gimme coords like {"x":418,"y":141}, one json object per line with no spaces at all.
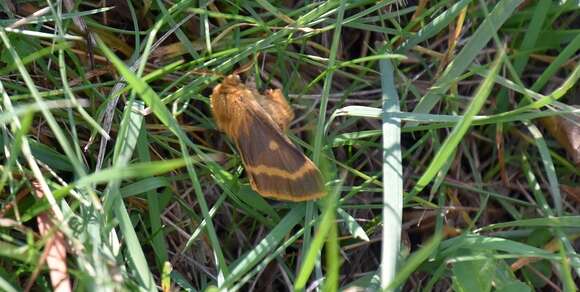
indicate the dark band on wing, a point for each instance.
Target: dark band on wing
{"x":306,"y":187}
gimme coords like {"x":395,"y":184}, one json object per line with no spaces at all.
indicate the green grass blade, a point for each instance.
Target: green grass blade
{"x":353,"y":227}
{"x":392,"y":176}
{"x":159,"y":109}
{"x":566,"y":271}
{"x":319,"y":133}
{"x":55,"y":127}
{"x":434,"y":27}
{"x":532,"y":34}
{"x":448,"y":147}
{"x":154,"y":208}
{"x":327,"y":221}
{"x":265,"y":246}
{"x":485,"y":243}
{"x":6,"y":286}
{"x":464,"y":58}
{"x":124,"y":147}
{"x":548,"y":167}
{"x":569,"y":51}
{"x":564,"y":221}
{"x":414,"y":261}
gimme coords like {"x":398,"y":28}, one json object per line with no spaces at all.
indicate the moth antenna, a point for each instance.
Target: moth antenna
{"x":246,"y":66}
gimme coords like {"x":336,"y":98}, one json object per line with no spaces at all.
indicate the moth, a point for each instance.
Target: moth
{"x":256,"y":123}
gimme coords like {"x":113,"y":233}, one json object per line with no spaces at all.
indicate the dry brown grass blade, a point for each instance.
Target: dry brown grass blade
{"x":54,"y":251}
{"x":82,"y":26}
{"x":570,"y":64}
{"x":418,"y":12}
{"x":113,"y":41}
{"x":501,"y":156}
{"x":552,"y":246}
{"x":30,"y":17}
{"x":456,"y":202}
{"x":452,"y":41}
{"x":173,"y":50}
{"x":573,"y":192}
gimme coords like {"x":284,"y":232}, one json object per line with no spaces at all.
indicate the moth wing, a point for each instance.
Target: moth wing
{"x":277,"y":107}
{"x":276,"y":167}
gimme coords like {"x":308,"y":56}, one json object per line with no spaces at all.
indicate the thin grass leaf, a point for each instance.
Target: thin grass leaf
{"x":265,"y":246}
{"x":331,"y":281}
{"x":566,"y":270}
{"x":144,"y":185}
{"x":413,"y":262}
{"x":485,"y":243}
{"x":448,"y":147}
{"x":564,"y":221}
{"x":319,"y":133}
{"x":548,"y":167}
{"x":472,"y":48}
{"x":441,"y":120}
{"x":532,"y":33}
{"x":264,"y":263}
{"x":125,"y":145}
{"x":275,"y":11}
{"x":6,"y":286}
{"x":136,"y":170}
{"x":153,"y":101}
{"x":24,"y":109}
{"x":555,"y":65}
{"x":434,"y":27}
{"x":51,"y":18}
{"x":154,"y":206}
{"x":44,"y":35}
{"x":327,"y":220}
{"x":168,"y":16}
{"x":352,"y":226}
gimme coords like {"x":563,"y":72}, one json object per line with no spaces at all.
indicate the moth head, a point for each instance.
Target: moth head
{"x":227,"y":104}
{"x":231,"y":86}
{"x":232,"y":80}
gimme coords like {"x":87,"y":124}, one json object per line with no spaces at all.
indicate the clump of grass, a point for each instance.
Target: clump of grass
{"x":445,"y":131}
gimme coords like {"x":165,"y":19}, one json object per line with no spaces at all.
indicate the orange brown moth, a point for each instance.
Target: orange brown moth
{"x":256,"y":124}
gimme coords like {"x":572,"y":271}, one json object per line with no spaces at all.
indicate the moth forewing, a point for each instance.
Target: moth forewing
{"x":276,"y":167}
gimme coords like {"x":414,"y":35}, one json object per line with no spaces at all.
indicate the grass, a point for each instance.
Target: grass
{"x":461,"y":114}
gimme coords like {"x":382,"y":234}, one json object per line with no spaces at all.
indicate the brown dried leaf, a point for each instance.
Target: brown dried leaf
{"x":566,"y":130}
